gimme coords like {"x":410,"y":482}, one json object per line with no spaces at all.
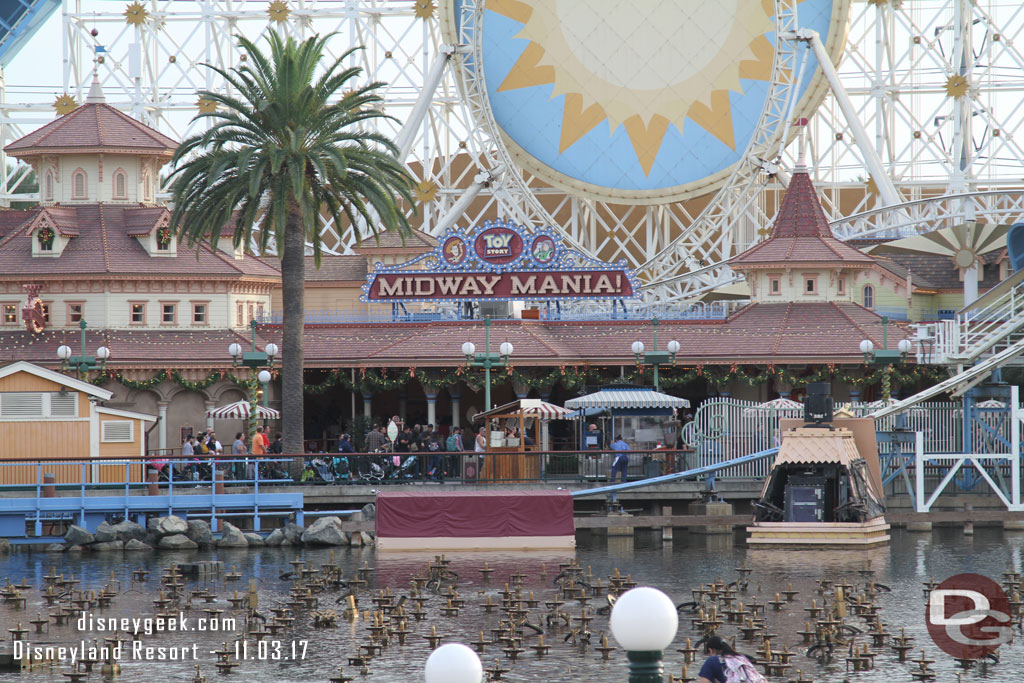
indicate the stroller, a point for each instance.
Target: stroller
{"x":272,"y":470}
{"x":373,"y":468}
{"x":406,"y":469}
{"x":342,"y":470}
{"x":317,"y":471}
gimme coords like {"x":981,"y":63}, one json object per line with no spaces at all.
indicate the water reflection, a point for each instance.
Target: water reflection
{"x":676,"y":568}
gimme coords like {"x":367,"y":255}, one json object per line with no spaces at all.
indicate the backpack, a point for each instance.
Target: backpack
{"x":452,"y":442}
{"x":740,"y":670}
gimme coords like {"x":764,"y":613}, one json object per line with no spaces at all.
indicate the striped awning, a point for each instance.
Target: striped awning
{"x":528,"y":407}
{"x":240,"y":410}
{"x":627,"y":398}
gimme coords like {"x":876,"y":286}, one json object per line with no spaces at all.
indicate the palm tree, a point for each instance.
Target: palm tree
{"x":280,"y":152}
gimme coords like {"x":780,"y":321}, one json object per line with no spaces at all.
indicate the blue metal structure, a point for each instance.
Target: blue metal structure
{"x":694,"y":472}
{"x":19,"y":20}
{"x":91,"y":503}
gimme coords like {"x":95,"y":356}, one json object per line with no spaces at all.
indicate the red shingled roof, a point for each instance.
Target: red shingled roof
{"x":760,"y":333}
{"x":800,"y":233}
{"x":416,"y":240}
{"x":105,"y":245}
{"x":93,"y":126}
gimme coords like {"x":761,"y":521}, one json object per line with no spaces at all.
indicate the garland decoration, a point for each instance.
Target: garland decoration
{"x":374,"y":380}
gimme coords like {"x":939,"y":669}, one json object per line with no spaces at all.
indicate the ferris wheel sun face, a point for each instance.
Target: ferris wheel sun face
{"x":631,"y":103}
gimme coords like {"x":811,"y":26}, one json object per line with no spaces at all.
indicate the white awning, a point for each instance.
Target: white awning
{"x":626,"y":398}
{"x":240,"y":410}
{"x":529,"y":407}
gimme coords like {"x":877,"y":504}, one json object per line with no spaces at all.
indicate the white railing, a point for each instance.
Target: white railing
{"x":975,"y":332}
{"x":727,"y":428}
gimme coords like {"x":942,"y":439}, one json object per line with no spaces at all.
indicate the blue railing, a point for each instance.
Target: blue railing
{"x":100,"y":488}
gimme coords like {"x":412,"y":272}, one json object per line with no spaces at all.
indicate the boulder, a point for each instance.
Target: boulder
{"x":367,"y":537}
{"x":178,"y":542}
{"x":324,"y":531}
{"x":126,"y":531}
{"x":199,"y":531}
{"x":369,"y":512}
{"x":5,"y":546}
{"x":255,"y":540}
{"x":76,"y":535}
{"x":232,"y":537}
{"x":107,"y":546}
{"x":105,"y":533}
{"x":75,"y":549}
{"x":167,"y":526}
{"x":293,"y":532}
{"x":136,"y":544}
{"x":56,"y":548}
{"x":275,"y":538}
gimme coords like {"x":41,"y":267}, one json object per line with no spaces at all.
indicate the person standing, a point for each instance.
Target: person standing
{"x":376,"y":439}
{"x":238,"y":448}
{"x":621,"y":461}
{"x":454,"y":445}
{"x":189,"y":448}
{"x":259,"y":447}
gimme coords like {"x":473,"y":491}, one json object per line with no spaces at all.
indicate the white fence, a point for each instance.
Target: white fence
{"x":725,"y":428}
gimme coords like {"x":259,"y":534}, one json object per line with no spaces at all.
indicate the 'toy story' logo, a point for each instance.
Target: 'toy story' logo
{"x":968,"y":616}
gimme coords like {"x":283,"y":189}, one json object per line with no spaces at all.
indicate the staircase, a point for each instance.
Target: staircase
{"x":993,"y":324}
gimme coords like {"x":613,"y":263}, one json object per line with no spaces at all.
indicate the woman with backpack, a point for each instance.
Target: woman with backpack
{"x":725,"y":665}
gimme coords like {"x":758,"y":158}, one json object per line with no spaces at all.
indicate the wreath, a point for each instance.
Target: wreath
{"x":46,"y":236}
{"x":163,"y":236}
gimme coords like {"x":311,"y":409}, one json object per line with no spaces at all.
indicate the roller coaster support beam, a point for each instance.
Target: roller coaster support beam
{"x":482,"y":180}
{"x":407,"y":135}
{"x":886,"y":188}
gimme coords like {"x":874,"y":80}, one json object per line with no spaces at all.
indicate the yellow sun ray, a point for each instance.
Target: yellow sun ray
{"x":577,"y":121}
{"x":526,"y":73}
{"x":759,"y":68}
{"x":646,"y":139}
{"x":717,"y":118}
{"x":514,"y":9}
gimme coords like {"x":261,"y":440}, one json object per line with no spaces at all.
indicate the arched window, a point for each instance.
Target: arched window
{"x":869,"y":296}
{"x":120,"y":184}
{"x":147,"y":187}
{"x":48,"y":187}
{"x":78,"y":185}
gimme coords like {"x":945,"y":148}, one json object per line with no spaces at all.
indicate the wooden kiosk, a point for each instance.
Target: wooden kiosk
{"x":513,"y":459}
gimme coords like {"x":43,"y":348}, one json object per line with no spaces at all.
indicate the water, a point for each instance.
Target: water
{"x":675,"y":568}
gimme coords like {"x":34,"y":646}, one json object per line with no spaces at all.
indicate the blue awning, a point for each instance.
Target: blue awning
{"x":613,"y":399}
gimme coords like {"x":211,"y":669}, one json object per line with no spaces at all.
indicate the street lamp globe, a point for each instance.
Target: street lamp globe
{"x":644,"y":620}
{"x":904,"y":346}
{"x":235,"y":350}
{"x":103,"y":353}
{"x":637,"y":347}
{"x":272,"y":349}
{"x":453,"y":663}
{"x":263,"y":377}
{"x":468,"y":349}
{"x":867,"y":346}
{"x":506,"y":348}
{"x":63,"y":352}
{"x":673,"y":346}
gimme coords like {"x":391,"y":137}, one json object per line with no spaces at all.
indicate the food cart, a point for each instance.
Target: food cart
{"x":509,"y":428}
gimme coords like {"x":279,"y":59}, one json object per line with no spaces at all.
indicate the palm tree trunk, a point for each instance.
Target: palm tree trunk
{"x":293,"y":280}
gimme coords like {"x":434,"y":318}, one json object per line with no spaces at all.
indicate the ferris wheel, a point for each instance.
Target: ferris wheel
{"x":657,"y":137}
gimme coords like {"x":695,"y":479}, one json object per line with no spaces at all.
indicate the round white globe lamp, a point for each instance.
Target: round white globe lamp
{"x":506,"y":348}
{"x":637,"y":348}
{"x":453,"y":663}
{"x":644,"y":622}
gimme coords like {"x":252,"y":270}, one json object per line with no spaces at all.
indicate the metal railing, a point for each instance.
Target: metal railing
{"x":574,"y":312}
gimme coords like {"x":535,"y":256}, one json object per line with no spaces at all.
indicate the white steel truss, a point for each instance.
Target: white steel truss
{"x":937,"y":84}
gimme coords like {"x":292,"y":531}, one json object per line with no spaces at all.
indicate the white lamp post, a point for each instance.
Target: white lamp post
{"x":453,"y":663}
{"x":487,"y":359}
{"x":644,"y":621}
